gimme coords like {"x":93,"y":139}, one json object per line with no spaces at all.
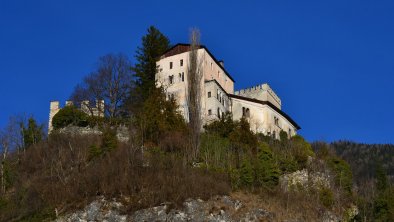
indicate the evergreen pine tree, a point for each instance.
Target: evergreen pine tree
{"x":246,"y":173}
{"x":266,"y":170}
{"x":381,"y":179}
{"x":154,"y":44}
{"x":33,"y":133}
{"x":384,"y":202}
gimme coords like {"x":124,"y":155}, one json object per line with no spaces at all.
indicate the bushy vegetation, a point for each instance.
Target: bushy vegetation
{"x":70,"y":115}
{"x":375,"y":193}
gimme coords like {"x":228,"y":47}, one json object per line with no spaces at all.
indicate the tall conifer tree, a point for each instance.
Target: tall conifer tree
{"x":154,"y":44}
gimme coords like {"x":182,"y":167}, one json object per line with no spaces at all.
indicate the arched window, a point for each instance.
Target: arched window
{"x":247,"y":113}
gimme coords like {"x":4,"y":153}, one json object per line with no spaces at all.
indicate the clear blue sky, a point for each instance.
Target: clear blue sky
{"x":331,"y":62}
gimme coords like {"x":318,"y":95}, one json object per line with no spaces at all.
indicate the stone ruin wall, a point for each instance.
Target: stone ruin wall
{"x":97,"y":110}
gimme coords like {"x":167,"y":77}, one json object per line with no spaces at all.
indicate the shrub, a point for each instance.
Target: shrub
{"x":70,"y":115}
{"x":246,"y":173}
{"x":94,"y":151}
{"x":283,"y":136}
{"x":326,"y":197}
{"x":222,"y":127}
{"x":301,"y":150}
{"x":215,"y":152}
{"x":343,"y":173}
{"x":109,"y":140}
{"x":266,"y":169}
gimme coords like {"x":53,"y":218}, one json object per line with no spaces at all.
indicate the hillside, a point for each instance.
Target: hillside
{"x":66,"y":172}
{"x":122,"y":149}
{"x":364,"y":157}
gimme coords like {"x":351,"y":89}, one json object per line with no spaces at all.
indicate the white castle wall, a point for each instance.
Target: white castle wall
{"x":53,"y":109}
{"x":178,"y":88}
{"x":262,"y":118}
{"x":261,"y":92}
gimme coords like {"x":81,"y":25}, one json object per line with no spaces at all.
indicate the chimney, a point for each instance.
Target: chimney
{"x":221,"y":62}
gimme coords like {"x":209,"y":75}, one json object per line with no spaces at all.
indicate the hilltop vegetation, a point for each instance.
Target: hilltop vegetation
{"x":164,"y":160}
{"x":372,"y":167}
{"x":363,"y":158}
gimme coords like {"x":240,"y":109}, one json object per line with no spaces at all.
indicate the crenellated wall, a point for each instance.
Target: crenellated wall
{"x":261,"y":92}
{"x":54,"y":108}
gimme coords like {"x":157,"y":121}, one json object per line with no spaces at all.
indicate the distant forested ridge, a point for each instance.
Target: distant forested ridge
{"x":363,"y":158}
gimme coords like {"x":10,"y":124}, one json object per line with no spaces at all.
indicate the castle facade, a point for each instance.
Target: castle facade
{"x":259,"y":104}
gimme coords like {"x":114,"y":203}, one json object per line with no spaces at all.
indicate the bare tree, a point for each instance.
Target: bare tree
{"x":4,"y":145}
{"x":11,"y":139}
{"x":111,"y":82}
{"x":194,"y":91}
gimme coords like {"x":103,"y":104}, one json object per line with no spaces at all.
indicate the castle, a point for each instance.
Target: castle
{"x":259,"y":104}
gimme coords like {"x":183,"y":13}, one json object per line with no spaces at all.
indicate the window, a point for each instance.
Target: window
{"x":274,"y":135}
{"x":181,"y":62}
{"x":217,"y":95}
{"x":171,"y":79}
{"x":209,"y":94}
{"x":245,"y":112}
{"x":183,"y":76}
{"x":276,"y":120}
{"x":209,"y":112}
{"x":218,"y":112}
{"x":170,"y":65}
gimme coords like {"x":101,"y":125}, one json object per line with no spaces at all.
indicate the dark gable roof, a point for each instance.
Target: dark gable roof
{"x":270,"y":105}
{"x":216,"y":82}
{"x":182,"y":47}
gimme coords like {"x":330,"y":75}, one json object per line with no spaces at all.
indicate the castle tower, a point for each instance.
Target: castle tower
{"x":53,"y":109}
{"x":261,"y":92}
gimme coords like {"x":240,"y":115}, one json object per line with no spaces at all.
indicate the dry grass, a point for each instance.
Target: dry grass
{"x":285,"y":207}
{"x":58,"y":174}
